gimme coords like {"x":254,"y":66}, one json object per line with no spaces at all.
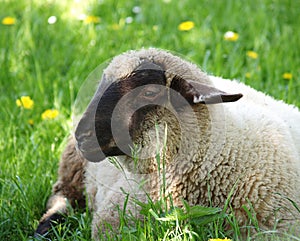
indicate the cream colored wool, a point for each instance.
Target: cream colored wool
{"x":256,"y":148}
{"x":250,"y":147}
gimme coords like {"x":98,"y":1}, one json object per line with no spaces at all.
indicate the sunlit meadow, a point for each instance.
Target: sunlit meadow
{"x":48,"y":48}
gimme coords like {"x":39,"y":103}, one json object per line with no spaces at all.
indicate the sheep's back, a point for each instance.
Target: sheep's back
{"x":257,"y":106}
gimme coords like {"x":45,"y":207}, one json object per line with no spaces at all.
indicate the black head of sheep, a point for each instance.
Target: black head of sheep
{"x":112,"y":123}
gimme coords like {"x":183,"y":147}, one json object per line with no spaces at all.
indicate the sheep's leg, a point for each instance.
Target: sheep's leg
{"x":68,"y":189}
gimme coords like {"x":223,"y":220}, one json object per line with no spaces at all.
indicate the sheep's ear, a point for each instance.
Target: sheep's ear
{"x":195,"y":92}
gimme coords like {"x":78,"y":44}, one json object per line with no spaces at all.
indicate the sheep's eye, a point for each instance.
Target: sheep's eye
{"x":149,"y":93}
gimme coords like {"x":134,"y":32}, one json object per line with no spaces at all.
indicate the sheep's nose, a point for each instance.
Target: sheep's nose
{"x":83,"y":129}
{"x":87,"y":143}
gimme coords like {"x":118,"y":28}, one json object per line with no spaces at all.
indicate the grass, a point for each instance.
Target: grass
{"x":49,"y":62}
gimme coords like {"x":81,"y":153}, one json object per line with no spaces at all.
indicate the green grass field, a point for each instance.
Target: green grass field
{"x":49,"y":61}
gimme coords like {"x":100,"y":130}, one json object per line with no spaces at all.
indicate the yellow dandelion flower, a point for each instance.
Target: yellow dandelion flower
{"x":8,"y":21}
{"x":26,"y":102}
{"x":91,"y":19}
{"x":252,"y":54}
{"x":186,"y":26}
{"x":154,"y":27}
{"x":287,"y":76}
{"x":219,"y":239}
{"x":231,"y":36}
{"x":30,"y":122}
{"x":50,"y":114}
{"x":248,"y":75}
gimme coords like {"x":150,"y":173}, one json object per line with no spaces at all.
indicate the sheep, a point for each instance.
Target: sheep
{"x":249,"y":146}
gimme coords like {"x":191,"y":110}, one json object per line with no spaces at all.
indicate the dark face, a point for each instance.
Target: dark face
{"x":130,"y":99}
{"x":120,"y":111}
{"x":114,"y":119}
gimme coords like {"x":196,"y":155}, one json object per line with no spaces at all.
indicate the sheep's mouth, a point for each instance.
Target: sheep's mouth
{"x":98,"y":155}
{"x":91,"y":154}
{"x":90,"y":149}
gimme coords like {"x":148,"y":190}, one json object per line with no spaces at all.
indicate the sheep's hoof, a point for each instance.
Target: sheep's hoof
{"x":47,"y":223}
